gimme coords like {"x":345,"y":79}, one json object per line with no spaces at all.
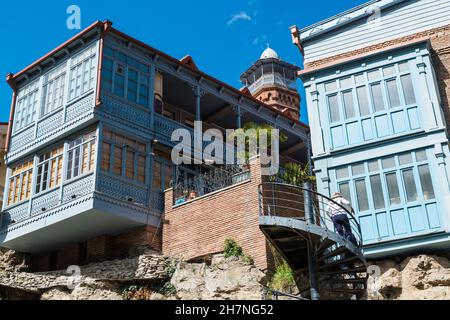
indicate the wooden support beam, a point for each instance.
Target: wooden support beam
{"x":218,"y":114}
{"x":296,"y":147}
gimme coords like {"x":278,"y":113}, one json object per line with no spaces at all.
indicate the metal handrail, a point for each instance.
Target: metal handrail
{"x":277,"y":294}
{"x":282,"y":199}
{"x":206,"y":183}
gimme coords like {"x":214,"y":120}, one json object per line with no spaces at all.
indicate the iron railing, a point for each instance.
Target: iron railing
{"x":216,"y":179}
{"x":271,"y":294}
{"x":289,"y":201}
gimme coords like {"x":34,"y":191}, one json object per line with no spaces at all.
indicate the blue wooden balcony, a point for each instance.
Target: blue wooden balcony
{"x":79,"y":209}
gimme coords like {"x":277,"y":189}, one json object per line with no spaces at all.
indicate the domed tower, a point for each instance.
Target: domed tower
{"x":273,"y":81}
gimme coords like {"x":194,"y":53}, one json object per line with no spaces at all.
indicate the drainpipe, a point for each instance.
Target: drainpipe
{"x":107,"y":25}
{"x":12,"y":83}
{"x":296,"y":39}
{"x":312,"y":262}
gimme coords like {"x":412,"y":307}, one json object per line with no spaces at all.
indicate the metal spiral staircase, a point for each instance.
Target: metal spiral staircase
{"x":296,"y":223}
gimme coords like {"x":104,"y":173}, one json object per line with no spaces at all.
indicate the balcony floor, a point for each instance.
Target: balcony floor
{"x":71,"y":224}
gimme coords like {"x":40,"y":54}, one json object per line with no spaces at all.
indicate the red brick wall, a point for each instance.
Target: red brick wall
{"x":100,"y":248}
{"x":148,"y":236}
{"x":441,"y":62}
{"x":68,"y":256}
{"x":200,"y":227}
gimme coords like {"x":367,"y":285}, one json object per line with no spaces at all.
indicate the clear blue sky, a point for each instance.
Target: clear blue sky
{"x":220,"y":45}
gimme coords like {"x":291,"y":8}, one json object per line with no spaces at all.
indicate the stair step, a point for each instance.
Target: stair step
{"x":352,"y":291}
{"x":326,"y":243}
{"x":360,"y":269}
{"x":333,"y":253}
{"x":347,"y":281}
{"x":338,"y":263}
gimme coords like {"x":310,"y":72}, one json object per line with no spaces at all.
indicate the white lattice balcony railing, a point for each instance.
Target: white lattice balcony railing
{"x":48,"y":200}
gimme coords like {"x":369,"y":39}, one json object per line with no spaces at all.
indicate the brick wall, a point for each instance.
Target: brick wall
{"x":148,"y":236}
{"x":100,"y":248}
{"x":68,"y":256}
{"x":200,"y":227}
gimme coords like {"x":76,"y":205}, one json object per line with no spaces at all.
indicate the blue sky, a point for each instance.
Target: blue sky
{"x":224,"y":36}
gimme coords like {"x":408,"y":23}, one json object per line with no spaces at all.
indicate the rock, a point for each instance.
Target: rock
{"x":229,"y":278}
{"x":420,"y":277}
{"x":11,"y":260}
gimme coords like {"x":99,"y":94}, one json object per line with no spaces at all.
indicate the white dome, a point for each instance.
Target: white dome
{"x":269,"y":53}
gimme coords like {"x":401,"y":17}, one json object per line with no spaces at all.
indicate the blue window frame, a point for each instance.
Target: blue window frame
{"x":125,"y":76}
{"x":371,"y":105}
{"x":393,"y":196}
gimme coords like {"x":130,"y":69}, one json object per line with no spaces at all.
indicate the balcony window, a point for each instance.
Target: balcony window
{"x":162,"y":174}
{"x":125,"y":77}
{"x":54,"y":90}
{"x":374,"y":104}
{"x":49,"y":170}
{"x":27,"y":102}
{"x":81,"y":155}
{"x":20,"y":182}
{"x":401,"y":180}
{"x":82,"y":73}
{"x":123,"y":156}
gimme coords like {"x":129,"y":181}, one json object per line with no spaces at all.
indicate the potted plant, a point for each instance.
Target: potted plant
{"x":296,"y":174}
{"x":252,"y":130}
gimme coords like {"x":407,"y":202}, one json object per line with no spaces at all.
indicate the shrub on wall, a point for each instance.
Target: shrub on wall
{"x":283,"y":278}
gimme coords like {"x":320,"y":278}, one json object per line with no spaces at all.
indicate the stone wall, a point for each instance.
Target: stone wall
{"x":420,"y":277}
{"x":230,"y":278}
{"x":101,"y":248}
{"x":200,"y":227}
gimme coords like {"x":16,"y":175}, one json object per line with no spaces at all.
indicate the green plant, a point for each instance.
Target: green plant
{"x":170,"y":270}
{"x":251,"y":133}
{"x":283,"y":278}
{"x":231,"y":249}
{"x":168,"y":289}
{"x":134,"y":292}
{"x":296,"y":174}
{"x":248,"y":259}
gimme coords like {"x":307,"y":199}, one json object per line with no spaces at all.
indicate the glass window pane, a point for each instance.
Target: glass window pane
{"x":410,"y":185}
{"x":405,"y":158}
{"x":331,"y":86}
{"x":421,"y":155}
{"x":404,"y":67}
{"x":394,"y":98}
{"x":374,"y":75}
{"x":342,"y":173}
{"x":363,"y":102}
{"x":358,"y":169}
{"x":348,"y":104}
{"x":344,"y":189}
{"x":373,"y":166}
{"x":360,"y":79}
{"x":361,"y":195}
{"x":408,"y":89}
{"x":334,"y":108}
{"x":377,"y":97}
{"x":388,"y":163}
{"x":377,"y":192}
{"x":425,"y":181}
{"x":346,"y":83}
{"x":392,"y":184}
{"x":389,"y":71}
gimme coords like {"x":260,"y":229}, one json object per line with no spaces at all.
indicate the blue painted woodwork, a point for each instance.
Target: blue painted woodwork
{"x":377,"y":129}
